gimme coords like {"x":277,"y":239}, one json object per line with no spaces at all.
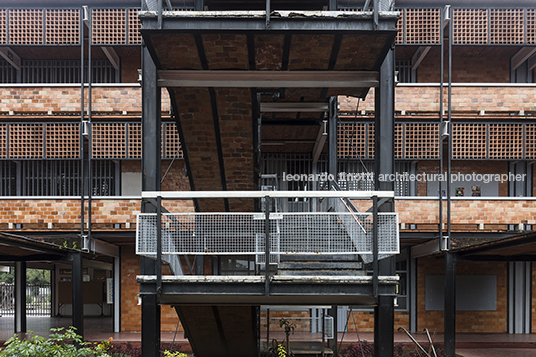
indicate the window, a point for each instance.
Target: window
{"x":406,"y":73}
{"x":55,"y":178}
{"x":56,"y":71}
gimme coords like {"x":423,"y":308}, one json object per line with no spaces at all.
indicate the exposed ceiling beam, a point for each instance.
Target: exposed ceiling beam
{"x":112,"y":56}
{"x":320,"y":141}
{"x":10,"y":56}
{"x":101,"y":247}
{"x":521,"y":56}
{"x":419,"y":55}
{"x":267,"y":79}
{"x":280,"y":107}
{"x":446,"y":15}
{"x":532,"y":62}
{"x":425,"y":249}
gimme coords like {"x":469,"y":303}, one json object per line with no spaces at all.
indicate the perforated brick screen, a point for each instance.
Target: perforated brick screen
{"x":423,"y":26}
{"x":352,"y":140}
{"x":62,"y":26}
{"x":26,"y":141}
{"x":172,"y":142}
{"x":506,"y":26}
{"x":421,"y":141}
{"x":25,"y":26}
{"x":3,"y":26}
{"x":399,"y":140}
{"x":3,"y":141}
{"x":470,"y":26}
{"x":400,"y":26}
{"x":505,"y":141}
{"x":531,"y":26}
{"x":469,"y":141}
{"x":134,"y":141}
{"x":134,"y":27}
{"x":530,"y":141}
{"x":109,"y":26}
{"x":62,"y":140}
{"x":109,"y":140}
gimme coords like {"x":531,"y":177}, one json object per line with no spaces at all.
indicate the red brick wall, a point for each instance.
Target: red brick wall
{"x":130,"y":310}
{"x":477,"y":68}
{"x":425,"y":99}
{"x":364,"y":321}
{"x":466,"y":321}
{"x":41,"y":100}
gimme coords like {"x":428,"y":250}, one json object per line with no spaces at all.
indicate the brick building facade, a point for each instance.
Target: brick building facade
{"x":492,"y":104}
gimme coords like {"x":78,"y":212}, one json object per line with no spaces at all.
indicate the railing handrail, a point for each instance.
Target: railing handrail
{"x":186,"y":195}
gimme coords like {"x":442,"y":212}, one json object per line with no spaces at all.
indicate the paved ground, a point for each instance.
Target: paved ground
{"x":467,"y":345}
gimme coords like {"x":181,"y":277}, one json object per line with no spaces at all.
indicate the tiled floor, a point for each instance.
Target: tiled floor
{"x":468,"y":345}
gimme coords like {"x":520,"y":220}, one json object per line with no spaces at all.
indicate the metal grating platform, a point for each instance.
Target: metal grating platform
{"x":244,"y":233}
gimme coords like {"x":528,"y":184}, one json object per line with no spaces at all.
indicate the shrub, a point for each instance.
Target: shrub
{"x":366,"y":349}
{"x":64,"y":343}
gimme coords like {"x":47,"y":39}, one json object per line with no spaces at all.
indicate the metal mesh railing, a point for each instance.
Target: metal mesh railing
{"x":244,"y":233}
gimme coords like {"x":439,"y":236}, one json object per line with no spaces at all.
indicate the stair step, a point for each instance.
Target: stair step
{"x":321,"y":272}
{"x":320,"y":265}
{"x":317,"y":257}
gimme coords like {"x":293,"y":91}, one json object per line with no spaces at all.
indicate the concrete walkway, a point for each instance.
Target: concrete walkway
{"x":467,"y":345}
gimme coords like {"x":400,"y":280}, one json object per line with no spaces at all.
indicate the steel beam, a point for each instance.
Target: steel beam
{"x":450,"y":304}
{"x":187,"y":195}
{"x":151,"y":169}
{"x":112,"y":56}
{"x":303,"y":107}
{"x":150,"y":324}
{"x":385,"y":165}
{"x":521,"y":56}
{"x":20,"y":297}
{"x":320,"y":141}
{"x":419,"y":56}
{"x":10,"y":56}
{"x":333,"y":137}
{"x":77,"y":293}
{"x":267,"y":79}
{"x":285,"y":21}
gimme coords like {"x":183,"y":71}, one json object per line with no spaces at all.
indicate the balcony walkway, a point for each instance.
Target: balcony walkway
{"x":468,"y":345}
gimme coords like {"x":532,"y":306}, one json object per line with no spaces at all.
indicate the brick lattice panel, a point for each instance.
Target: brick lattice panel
{"x":371,"y":139}
{"x":109,"y":141}
{"x":134,"y":141}
{"x":423,"y":25}
{"x":62,"y":141}
{"x":3,"y":141}
{"x":506,"y":26}
{"x":531,"y":26}
{"x":26,"y":141}
{"x":25,"y":26}
{"x":109,"y":26}
{"x":172,"y":142}
{"x":471,"y":26}
{"x":505,"y":141}
{"x":400,"y":26}
{"x":62,"y":26}
{"x":421,"y":141}
{"x":469,"y":141}
{"x":530,"y":141}
{"x":399,"y":143}
{"x":352,"y":140}
{"x":3,"y":26}
{"x":134,"y":27}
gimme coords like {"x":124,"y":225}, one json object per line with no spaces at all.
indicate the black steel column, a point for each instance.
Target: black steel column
{"x":20,"y":297}
{"x":332,"y":162}
{"x":78,"y":293}
{"x":332,"y":137}
{"x":450,"y":304}
{"x":151,"y":168}
{"x":384,"y":167}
